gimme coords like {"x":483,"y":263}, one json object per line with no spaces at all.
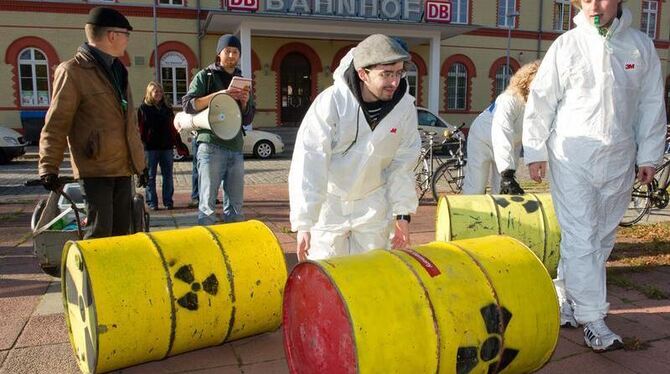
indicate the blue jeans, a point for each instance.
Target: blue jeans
{"x":218,"y":166}
{"x":164,"y":159}
{"x":194,"y":172}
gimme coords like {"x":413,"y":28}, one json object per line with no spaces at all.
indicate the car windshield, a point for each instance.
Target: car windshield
{"x":429,"y":119}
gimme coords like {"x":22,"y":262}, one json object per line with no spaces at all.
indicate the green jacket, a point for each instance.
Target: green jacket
{"x":209,"y":80}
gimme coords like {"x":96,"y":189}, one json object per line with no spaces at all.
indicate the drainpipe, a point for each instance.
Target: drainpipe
{"x":539,"y":30}
{"x":156,"y":64}
{"x":200,"y":36}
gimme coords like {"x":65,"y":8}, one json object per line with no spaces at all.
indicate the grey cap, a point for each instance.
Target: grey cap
{"x":378,"y":49}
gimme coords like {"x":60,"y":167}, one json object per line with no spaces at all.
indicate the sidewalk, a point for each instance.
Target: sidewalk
{"x":33,"y":335}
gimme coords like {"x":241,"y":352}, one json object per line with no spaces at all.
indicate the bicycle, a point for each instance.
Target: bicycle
{"x":448,"y":177}
{"x":423,"y":171}
{"x":647,"y":196}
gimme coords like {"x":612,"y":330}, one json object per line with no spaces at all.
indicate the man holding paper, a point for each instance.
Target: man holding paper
{"x":220,"y":161}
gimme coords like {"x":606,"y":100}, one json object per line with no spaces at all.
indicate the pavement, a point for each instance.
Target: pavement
{"x":33,"y":334}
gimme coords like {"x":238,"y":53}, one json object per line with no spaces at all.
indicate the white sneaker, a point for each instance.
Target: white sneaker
{"x":600,"y":338}
{"x":568,"y":315}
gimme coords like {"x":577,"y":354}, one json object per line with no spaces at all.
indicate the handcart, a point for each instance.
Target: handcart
{"x":62,"y":217}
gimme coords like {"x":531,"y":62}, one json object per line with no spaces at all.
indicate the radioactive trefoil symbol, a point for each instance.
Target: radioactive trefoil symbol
{"x":496,"y":320}
{"x":190,"y":300}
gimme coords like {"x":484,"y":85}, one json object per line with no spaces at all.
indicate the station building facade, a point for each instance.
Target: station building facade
{"x":290,"y":48}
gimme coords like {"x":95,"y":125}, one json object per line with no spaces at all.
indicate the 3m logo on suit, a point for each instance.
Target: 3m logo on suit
{"x":629,"y":66}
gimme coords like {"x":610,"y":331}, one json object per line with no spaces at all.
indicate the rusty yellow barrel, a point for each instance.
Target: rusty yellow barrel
{"x":484,"y":305}
{"x":529,"y":218}
{"x":147,"y":296}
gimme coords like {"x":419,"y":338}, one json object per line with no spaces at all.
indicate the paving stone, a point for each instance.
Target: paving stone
{"x":260,"y":348}
{"x":55,"y":358}
{"x":44,"y":330}
{"x":588,"y":362}
{"x":220,"y":357}
{"x":566,"y":348}
{"x":269,"y":367}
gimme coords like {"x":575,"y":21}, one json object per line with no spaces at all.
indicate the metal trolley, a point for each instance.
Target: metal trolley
{"x":49,"y":236}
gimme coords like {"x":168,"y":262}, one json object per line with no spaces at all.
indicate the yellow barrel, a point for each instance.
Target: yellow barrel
{"x":529,"y":218}
{"x":468,"y":306}
{"x":147,"y":296}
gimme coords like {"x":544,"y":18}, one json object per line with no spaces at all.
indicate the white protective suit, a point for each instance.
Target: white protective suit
{"x":346,"y":181}
{"x":480,"y":167}
{"x":594,"y":101}
{"x":506,"y":131}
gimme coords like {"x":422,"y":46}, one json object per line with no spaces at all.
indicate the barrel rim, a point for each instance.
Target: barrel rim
{"x":318,"y":266}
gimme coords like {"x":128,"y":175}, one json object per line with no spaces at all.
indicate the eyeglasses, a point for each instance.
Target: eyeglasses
{"x":387,"y":74}
{"x":127,"y":33}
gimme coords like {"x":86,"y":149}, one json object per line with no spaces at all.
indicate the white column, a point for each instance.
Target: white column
{"x":245,"y":39}
{"x":434,"y":74}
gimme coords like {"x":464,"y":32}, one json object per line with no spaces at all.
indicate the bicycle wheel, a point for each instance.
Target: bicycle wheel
{"x":639,"y":205}
{"x":422,"y":178}
{"x":448,"y":178}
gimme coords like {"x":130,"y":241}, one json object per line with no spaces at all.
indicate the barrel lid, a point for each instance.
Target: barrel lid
{"x":80,"y":309}
{"x":318,"y":333}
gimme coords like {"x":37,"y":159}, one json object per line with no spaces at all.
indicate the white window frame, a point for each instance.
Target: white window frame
{"x":456,"y":6}
{"x":559,"y":20}
{"x":649,"y":12}
{"x":457,"y":73}
{"x":510,"y":7}
{"x":35,"y":99}
{"x":500,"y":81}
{"x":170,"y":2}
{"x":173,"y":66}
{"x":413,"y":79}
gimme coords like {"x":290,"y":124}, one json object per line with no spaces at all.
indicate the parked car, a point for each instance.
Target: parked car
{"x":261,"y":144}
{"x":12,"y":145}
{"x":428,"y":121}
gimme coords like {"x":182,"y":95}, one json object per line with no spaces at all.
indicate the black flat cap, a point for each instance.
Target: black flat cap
{"x":108,"y":17}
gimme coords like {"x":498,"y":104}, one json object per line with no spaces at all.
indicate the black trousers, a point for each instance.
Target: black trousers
{"x":109,"y":206}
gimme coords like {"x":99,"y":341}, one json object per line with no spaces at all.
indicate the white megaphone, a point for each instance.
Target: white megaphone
{"x":223,"y":117}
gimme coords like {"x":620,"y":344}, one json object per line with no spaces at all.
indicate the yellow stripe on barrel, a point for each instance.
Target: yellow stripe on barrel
{"x":529,"y":218}
{"x":468,"y":306}
{"x":142,"y":297}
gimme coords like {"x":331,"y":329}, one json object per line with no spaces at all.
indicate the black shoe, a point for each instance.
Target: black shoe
{"x":194,"y":203}
{"x":169,"y":207}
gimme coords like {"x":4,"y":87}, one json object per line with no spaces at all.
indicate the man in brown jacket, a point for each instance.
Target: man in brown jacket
{"x":91,"y":111}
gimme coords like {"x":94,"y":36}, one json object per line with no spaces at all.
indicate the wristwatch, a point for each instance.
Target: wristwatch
{"x":405,"y":217}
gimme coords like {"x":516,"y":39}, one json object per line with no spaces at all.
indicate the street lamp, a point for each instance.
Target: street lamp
{"x":510,"y":22}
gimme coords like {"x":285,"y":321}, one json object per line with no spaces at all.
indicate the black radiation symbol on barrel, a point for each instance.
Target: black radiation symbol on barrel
{"x":496,"y":320}
{"x":190,"y":300}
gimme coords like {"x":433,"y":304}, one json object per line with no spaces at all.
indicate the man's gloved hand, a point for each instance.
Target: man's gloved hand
{"x":143,"y":179}
{"x":508,"y":184}
{"x":50,"y":182}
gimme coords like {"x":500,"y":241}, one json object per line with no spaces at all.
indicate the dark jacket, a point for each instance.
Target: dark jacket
{"x":215,"y":78}
{"x":156,"y":128}
{"x":86,"y":113}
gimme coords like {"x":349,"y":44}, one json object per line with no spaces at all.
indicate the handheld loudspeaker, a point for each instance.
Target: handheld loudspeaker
{"x":223,"y":117}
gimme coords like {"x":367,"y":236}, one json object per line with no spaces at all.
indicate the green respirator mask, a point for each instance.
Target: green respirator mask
{"x":601,"y":30}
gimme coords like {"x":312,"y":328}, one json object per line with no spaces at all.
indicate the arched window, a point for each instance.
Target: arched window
{"x":503,"y":74}
{"x":174,"y":79}
{"x":33,"y":78}
{"x":412,"y":79}
{"x":457,"y":78}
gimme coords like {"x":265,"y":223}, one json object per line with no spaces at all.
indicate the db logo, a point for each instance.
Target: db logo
{"x":243,"y":5}
{"x":438,"y":11}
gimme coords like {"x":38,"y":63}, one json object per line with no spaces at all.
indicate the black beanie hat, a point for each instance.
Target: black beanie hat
{"x":228,"y":41}
{"x":108,"y":17}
